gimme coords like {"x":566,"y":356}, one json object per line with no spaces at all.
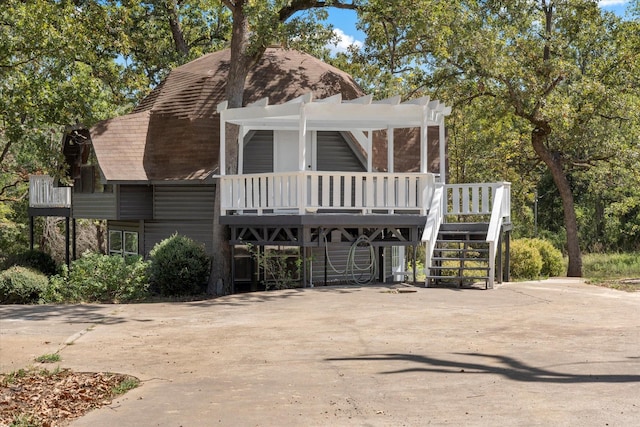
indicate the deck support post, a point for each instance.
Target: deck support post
{"x":31,"y":236}
{"x":74,"y":247}
{"x":67,"y":241}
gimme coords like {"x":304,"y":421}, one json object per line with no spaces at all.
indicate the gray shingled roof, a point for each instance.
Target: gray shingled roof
{"x":173,"y":134}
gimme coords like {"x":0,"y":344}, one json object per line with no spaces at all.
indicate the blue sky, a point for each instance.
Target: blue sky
{"x":345,"y":22}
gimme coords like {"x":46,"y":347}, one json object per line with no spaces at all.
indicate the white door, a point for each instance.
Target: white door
{"x":285,"y":151}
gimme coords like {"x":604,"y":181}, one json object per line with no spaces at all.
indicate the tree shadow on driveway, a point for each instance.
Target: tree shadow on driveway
{"x":73,"y":313}
{"x":511,"y":368}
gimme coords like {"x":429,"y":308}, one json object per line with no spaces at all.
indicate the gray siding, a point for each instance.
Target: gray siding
{"x":258,"y":152}
{"x":124,"y":225}
{"x":336,"y":154}
{"x":156,"y":231}
{"x":181,"y":202}
{"x":338,"y":256}
{"x":94,"y":205}
{"x":136,"y":202}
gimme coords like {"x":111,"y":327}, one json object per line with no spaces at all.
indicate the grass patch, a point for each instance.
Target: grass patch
{"x":48,"y":358}
{"x":617,"y":271}
{"x":127,"y":384}
{"x":611,"y":266}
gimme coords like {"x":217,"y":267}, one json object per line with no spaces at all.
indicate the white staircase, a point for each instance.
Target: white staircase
{"x":460,"y":252}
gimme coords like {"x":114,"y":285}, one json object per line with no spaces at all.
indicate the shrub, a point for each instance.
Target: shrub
{"x":179,"y":266}
{"x":552,"y":262}
{"x":101,"y":278}
{"x":526,"y":262}
{"x":21,"y":285}
{"x":36,"y":260}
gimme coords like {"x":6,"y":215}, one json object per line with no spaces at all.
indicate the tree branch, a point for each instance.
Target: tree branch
{"x":298,"y":5}
{"x":229,"y":4}
{"x":5,"y":151}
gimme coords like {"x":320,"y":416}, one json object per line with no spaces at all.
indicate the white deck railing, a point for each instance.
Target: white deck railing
{"x":432,"y":227}
{"x":500,"y":212}
{"x":471,"y":199}
{"x":42,"y":193}
{"x":311,"y":192}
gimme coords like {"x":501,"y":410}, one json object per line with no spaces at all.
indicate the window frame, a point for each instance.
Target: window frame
{"x":123,"y":236}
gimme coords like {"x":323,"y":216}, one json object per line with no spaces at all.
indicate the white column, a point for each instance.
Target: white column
{"x":241,"y":133}
{"x":302,"y":161}
{"x":221,"y":160}
{"x":443,"y":144}
{"x":370,"y":151}
{"x":390,"y":149}
{"x":424,"y":157}
{"x":302,"y":140}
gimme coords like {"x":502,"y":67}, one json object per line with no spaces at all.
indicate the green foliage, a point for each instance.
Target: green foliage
{"x":525,"y":261}
{"x":552,"y":261}
{"x":20,"y":285}
{"x":101,"y":278}
{"x":37,"y":260}
{"x":48,"y":358}
{"x":127,"y":384}
{"x":608,"y":266}
{"x":281,"y":268}
{"x":179,"y":266}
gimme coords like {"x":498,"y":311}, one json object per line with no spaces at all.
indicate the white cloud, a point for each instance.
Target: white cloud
{"x":605,"y":3}
{"x":344,"y":41}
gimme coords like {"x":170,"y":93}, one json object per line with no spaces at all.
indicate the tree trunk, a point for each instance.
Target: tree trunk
{"x":554,"y":164}
{"x":176,"y":30}
{"x":241,"y":61}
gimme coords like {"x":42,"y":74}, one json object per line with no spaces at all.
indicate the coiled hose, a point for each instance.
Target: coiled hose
{"x":352,"y":269}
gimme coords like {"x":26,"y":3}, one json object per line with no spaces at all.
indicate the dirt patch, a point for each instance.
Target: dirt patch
{"x":627,"y":285}
{"x":42,"y":398}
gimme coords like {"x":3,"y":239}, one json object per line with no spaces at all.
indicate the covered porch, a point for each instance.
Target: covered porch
{"x":299,"y":188}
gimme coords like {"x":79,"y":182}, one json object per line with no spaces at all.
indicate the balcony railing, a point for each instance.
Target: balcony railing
{"x":326,"y":192}
{"x":42,"y":193}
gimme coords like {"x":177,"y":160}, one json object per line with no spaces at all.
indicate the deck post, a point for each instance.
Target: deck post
{"x":66,"y":241}
{"x":442,"y":146}
{"x":424,"y":144}
{"x":221,"y":160}
{"x":390,"y":149}
{"x":31,"y":237}
{"x":74,"y":248}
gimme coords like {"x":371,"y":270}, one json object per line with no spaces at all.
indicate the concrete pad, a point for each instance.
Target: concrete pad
{"x":555,"y":352}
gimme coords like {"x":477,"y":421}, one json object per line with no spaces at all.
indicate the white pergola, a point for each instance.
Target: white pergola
{"x":360,"y":117}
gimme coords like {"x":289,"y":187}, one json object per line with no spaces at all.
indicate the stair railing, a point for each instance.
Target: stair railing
{"x":432,"y":227}
{"x":500,"y":211}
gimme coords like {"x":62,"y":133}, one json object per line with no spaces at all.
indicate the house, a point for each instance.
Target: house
{"x":324,"y":173}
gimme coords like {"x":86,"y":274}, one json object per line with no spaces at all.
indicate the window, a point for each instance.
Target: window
{"x":90,"y":181}
{"x":123,"y":243}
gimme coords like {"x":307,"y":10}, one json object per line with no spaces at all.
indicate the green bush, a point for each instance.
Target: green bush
{"x":525,"y":260}
{"x":36,"y":260}
{"x":21,"y":285}
{"x":552,"y":262}
{"x":101,"y":278}
{"x":179,"y":266}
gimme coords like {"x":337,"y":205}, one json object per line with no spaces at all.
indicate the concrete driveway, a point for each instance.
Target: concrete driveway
{"x":550,"y":353}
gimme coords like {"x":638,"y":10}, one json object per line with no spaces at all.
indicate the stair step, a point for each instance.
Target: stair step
{"x":472,"y":227}
{"x":440,"y":240}
{"x":475,"y":260}
{"x":457,"y":278}
{"x":462,"y":249}
{"x":461,"y":268}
